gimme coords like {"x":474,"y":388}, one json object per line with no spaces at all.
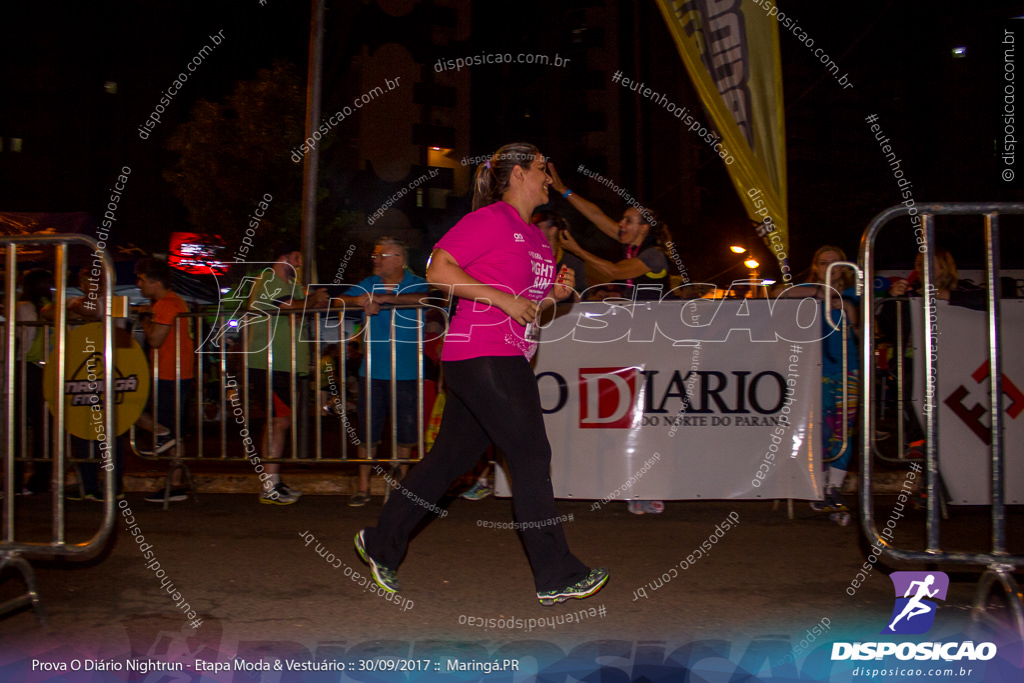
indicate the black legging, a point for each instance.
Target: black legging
{"x":493,"y":399}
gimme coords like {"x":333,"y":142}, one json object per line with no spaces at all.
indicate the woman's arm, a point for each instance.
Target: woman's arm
{"x":444,"y":270}
{"x":621,"y":270}
{"x":589,"y":210}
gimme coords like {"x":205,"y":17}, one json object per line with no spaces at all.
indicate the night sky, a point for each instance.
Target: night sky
{"x":942,"y":114}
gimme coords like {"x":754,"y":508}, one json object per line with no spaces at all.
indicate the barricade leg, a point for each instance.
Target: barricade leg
{"x":789,"y":506}
{"x":1002,"y":574}
{"x":31,"y":597}
{"x":178,"y":464}
{"x":394,"y":474}
{"x":95,"y":346}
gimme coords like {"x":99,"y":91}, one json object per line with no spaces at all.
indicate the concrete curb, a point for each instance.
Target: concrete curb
{"x":334,"y":484}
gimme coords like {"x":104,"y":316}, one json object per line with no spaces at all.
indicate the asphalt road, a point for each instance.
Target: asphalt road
{"x":261,"y":591}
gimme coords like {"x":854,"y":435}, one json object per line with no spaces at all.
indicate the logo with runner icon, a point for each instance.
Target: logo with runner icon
{"x":913,"y":612}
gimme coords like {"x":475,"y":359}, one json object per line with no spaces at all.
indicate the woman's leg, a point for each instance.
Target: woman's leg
{"x":460,"y":441}
{"x":515,"y":423}
{"x":493,"y":399}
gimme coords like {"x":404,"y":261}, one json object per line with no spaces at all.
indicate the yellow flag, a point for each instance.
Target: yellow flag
{"x":731,"y":51}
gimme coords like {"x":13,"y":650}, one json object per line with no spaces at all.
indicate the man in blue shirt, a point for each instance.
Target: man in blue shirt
{"x":392,"y":284}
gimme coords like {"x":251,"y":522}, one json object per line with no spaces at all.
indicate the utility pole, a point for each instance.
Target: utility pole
{"x":311,"y":168}
{"x":310,"y":181}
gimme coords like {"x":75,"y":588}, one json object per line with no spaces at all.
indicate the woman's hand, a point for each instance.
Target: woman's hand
{"x":565,"y":284}
{"x":898,"y":288}
{"x":568,"y":242}
{"x":556,"y":182}
{"x":519,"y":308}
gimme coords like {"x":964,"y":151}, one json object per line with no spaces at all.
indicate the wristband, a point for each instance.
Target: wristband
{"x":566,"y":194}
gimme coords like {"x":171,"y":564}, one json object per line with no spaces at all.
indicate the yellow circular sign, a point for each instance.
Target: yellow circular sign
{"x":84,"y":384}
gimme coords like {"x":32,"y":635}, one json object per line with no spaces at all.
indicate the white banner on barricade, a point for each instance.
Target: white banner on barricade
{"x":702,"y":399}
{"x":962,"y":398}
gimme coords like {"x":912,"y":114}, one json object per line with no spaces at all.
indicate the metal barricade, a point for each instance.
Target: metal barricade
{"x":998,"y":563}
{"x":236,"y":439}
{"x":904,"y":411}
{"x":15,"y":551}
{"x":900,"y":357}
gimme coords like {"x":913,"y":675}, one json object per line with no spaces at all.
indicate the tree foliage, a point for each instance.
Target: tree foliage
{"x":233,"y":153}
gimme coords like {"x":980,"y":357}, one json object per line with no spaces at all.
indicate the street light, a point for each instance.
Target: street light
{"x":752,"y":265}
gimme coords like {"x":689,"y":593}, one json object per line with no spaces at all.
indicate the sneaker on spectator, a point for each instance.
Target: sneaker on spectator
{"x":99,"y":497}
{"x":478,"y":491}
{"x":288,"y":489}
{"x":163,"y":443}
{"x":654,"y":507}
{"x":384,"y":577}
{"x":77,"y":495}
{"x":278,"y":496}
{"x":358,"y":499}
{"x":840,"y":518}
{"x":584,"y":588}
{"x":832,"y":502}
{"x":175,"y":496}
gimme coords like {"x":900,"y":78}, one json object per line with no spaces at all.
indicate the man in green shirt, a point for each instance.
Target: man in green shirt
{"x":277,"y":290}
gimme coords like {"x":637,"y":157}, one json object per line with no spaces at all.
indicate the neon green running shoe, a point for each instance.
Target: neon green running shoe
{"x":384,"y":577}
{"x":584,"y":588}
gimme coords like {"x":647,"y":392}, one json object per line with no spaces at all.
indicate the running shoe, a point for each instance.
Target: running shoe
{"x":278,"y":496}
{"x":832,"y":501}
{"x":635,"y":506}
{"x":176,"y":496}
{"x":479,"y":491}
{"x":840,"y":518}
{"x":384,"y":577}
{"x":288,"y":489}
{"x":358,"y":499}
{"x":584,"y":588}
{"x":163,"y":443}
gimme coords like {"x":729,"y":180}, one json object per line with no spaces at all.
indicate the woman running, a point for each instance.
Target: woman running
{"x":502,"y":269}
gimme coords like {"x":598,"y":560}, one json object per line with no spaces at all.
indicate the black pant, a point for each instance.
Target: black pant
{"x":89,"y":472}
{"x":493,"y":399}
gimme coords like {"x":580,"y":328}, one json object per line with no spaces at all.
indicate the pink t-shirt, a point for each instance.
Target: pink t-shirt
{"x":495,"y":246}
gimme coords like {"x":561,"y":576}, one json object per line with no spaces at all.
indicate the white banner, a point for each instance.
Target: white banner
{"x":703,"y":399}
{"x":962,"y":398}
